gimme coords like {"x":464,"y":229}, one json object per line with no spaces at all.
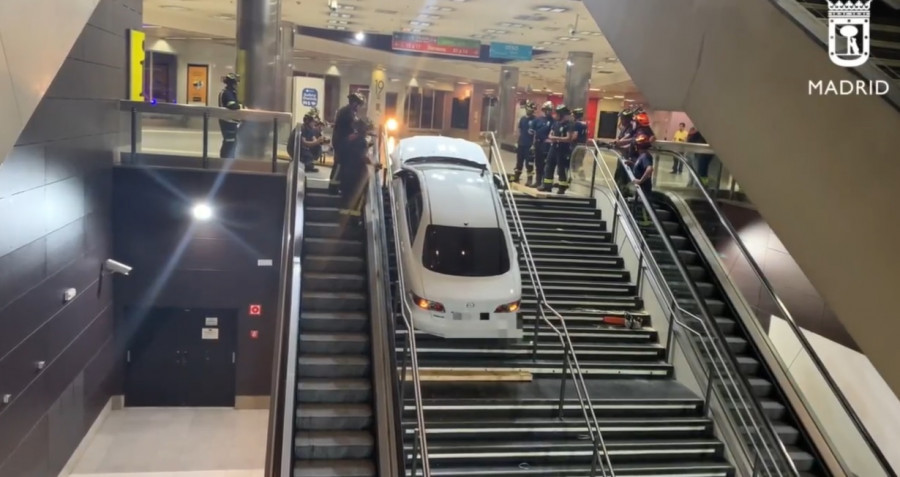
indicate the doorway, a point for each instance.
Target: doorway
{"x":182,"y":357}
{"x":197,"y":84}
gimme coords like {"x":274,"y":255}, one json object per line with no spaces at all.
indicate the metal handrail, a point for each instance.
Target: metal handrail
{"x":200,"y":111}
{"x":279,"y":449}
{"x":713,"y":334}
{"x":420,"y":442}
{"x":767,"y":285}
{"x":570,"y":361}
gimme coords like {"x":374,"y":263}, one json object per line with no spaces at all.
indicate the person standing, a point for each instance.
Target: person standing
{"x":542,"y":127}
{"x":354,"y":173}
{"x":308,"y":141}
{"x":525,"y":144}
{"x":642,"y":168}
{"x":702,"y":160}
{"x":340,"y":137}
{"x":228,"y":99}
{"x":680,"y":136}
{"x":562,"y":138}
{"x":580,"y":126}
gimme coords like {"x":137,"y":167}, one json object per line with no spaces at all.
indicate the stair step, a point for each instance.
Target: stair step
{"x":334,"y":264}
{"x":344,"y":417}
{"x":313,"y":321}
{"x":334,"y":391}
{"x":338,"y":282}
{"x":333,"y":445}
{"x":687,"y":468}
{"x":334,"y":468}
{"x":334,"y":247}
{"x":321,"y":199}
{"x":329,"y":301}
{"x":334,"y":343}
{"x":333,"y":366}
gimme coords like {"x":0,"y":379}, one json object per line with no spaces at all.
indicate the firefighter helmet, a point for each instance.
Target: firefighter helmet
{"x":562,"y":110}
{"x":356,"y":98}
{"x":547,"y":106}
{"x":642,"y":119}
{"x":231,"y":78}
{"x":578,"y":112}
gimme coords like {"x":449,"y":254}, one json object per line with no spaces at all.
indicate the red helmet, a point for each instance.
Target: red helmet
{"x":642,"y":141}
{"x":642,"y":119}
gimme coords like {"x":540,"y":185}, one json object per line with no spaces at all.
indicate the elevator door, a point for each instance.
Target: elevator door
{"x":182,"y":357}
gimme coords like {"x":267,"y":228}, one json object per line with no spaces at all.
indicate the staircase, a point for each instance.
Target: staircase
{"x":651,"y":424}
{"x":334,"y":422}
{"x":750,"y":364}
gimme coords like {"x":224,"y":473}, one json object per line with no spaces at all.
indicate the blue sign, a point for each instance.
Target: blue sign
{"x":510,"y":51}
{"x":309,"y":97}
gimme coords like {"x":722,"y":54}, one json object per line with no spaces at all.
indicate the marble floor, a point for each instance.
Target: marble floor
{"x":177,"y":442}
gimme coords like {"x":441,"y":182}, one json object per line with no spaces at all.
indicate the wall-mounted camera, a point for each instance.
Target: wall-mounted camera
{"x":112,"y":266}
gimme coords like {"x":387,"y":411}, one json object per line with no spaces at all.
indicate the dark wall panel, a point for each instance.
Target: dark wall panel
{"x":179,"y":262}
{"x":55,"y":204}
{"x":802,"y":300}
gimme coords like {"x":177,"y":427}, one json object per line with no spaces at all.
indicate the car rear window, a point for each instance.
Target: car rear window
{"x":465,"y":251}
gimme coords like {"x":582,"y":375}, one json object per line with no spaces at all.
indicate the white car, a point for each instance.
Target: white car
{"x":459,"y":263}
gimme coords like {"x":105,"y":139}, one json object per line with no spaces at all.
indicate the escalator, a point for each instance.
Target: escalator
{"x":753,"y":367}
{"x":334,"y":413}
{"x":742,"y":71}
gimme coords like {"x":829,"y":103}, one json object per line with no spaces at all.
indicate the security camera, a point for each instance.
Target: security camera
{"x":112,"y":266}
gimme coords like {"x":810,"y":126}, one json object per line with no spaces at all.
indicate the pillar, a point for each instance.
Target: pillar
{"x":258,"y":32}
{"x":377,"y":96}
{"x":285,"y":67}
{"x":506,"y":105}
{"x":578,"y":78}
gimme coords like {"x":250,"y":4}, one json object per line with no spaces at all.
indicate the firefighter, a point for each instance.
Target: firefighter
{"x":580,"y":126}
{"x":525,"y":145}
{"x":229,"y":127}
{"x":562,"y":139}
{"x":623,"y":143}
{"x":306,"y":133}
{"x":340,"y":137}
{"x":354,"y":173}
{"x":542,"y":126}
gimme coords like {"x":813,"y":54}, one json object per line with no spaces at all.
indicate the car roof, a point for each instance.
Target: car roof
{"x":440,"y":146}
{"x":460,"y":197}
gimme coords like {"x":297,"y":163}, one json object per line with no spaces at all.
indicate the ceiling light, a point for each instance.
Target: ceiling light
{"x":436,"y":8}
{"x":461,"y":82}
{"x":360,"y":36}
{"x":173,"y":7}
{"x":547,"y":43}
{"x":419,"y":24}
{"x":512,"y":25}
{"x":568,"y":38}
{"x":337,"y":22}
{"x":492,"y":31}
{"x":413,"y":30}
{"x":424,"y":16}
{"x":339,"y":15}
{"x":483,"y":37}
{"x":347,"y":7}
{"x":394,"y":80}
{"x":612,"y":59}
{"x":336,"y":27}
{"x":619,"y":97}
{"x":224,"y":16}
{"x":459,"y":1}
{"x":569,"y":63}
{"x":590,"y":33}
{"x":202,"y":211}
{"x":546,"y":9}
{"x":595,"y":89}
{"x":629,"y":100}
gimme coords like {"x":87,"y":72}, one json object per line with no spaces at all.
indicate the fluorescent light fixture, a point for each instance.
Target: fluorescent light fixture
{"x":224,"y":16}
{"x":413,"y":30}
{"x":569,"y":63}
{"x":629,"y":100}
{"x":590,"y":33}
{"x":547,"y":9}
{"x":336,"y":27}
{"x":436,"y":8}
{"x":347,"y":7}
{"x":568,"y":38}
{"x":595,"y":89}
{"x":174,"y":7}
{"x":340,"y":15}
{"x":360,"y":36}
{"x":419,"y":24}
{"x":202,"y":211}
{"x":512,"y":25}
{"x":337,"y":22}
{"x":394,"y":80}
{"x":462,"y":82}
{"x":424,"y":16}
{"x":547,"y":43}
{"x":612,"y":59}
{"x":619,"y":96}
{"x":492,"y":31}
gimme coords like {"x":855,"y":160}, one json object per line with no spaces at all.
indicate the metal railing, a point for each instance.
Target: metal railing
{"x":265,"y":119}
{"x":419,"y":454}
{"x":279,"y":450}
{"x":759,"y":442}
{"x":571,"y":367}
{"x":835,"y":436}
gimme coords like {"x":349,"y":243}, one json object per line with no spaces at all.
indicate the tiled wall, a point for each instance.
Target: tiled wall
{"x":55,"y":231}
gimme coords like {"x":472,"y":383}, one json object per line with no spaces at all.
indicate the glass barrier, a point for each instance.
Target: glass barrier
{"x":834,"y":418}
{"x":161,"y":130}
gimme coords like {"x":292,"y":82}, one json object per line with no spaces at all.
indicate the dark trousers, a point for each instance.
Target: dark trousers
{"x":558,"y":162}
{"x":354,"y":177}
{"x":703,"y":161}
{"x":524,"y":159}
{"x":677,"y":166}
{"x":334,"y":180}
{"x":540,"y":160}
{"x":229,"y":143}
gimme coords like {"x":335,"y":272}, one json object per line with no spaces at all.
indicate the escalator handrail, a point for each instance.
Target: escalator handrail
{"x":788,"y":318}
{"x":713,"y":333}
{"x":279,"y":448}
{"x":581,"y":390}
{"x":406,"y":313}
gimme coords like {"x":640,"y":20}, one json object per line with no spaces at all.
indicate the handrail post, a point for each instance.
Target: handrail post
{"x":640,"y":274}
{"x":593,"y":174}
{"x":670,"y":335}
{"x":134,"y":114}
{"x":414,"y":459}
{"x":205,"y":140}
{"x":614,"y":219}
{"x":274,"y":144}
{"x":562,"y":383}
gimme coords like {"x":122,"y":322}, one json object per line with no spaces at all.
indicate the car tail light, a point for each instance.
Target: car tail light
{"x":427,"y":304}
{"x":508,"y":308}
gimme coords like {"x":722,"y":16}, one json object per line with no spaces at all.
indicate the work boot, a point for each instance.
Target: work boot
{"x":561,"y":190}
{"x":516,"y":176}
{"x":529,"y":180}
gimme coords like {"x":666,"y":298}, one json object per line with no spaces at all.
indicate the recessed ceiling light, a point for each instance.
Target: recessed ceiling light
{"x":339,"y":15}
{"x":394,"y":80}
{"x":336,"y":27}
{"x":491,"y":31}
{"x":412,"y":30}
{"x":568,"y":38}
{"x":462,"y":82}
{"x":347,"y":7}
{"x":590,"y":33}
{"x":224,"y":16}
{"x":612,"y":59}
{"x":337,"y":22}
{"x":424,"y":16}
{"x":173,"y":7}
{"x":547,"y":43}
{"x":483,"y":37}
{"x":419,"y":24}
{"x":436,"y":8}
{"x":512,"y":25}
{"x":547,"y":9}
{"x":360,"y":36}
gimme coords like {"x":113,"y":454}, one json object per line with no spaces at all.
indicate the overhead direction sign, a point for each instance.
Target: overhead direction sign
{"x":436,"y":45}
{"x":511,"y":51}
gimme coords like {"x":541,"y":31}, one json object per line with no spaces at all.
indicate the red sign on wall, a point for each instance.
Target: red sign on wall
{"x":255,"y":310}
{"x":254,"y":334}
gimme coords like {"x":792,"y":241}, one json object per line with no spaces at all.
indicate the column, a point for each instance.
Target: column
{"x":578,"y":78}
{"x":285,"y":67}
{"x":506,"y":106}
{"x":258,"y":32}
{"x":377,"y":95}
